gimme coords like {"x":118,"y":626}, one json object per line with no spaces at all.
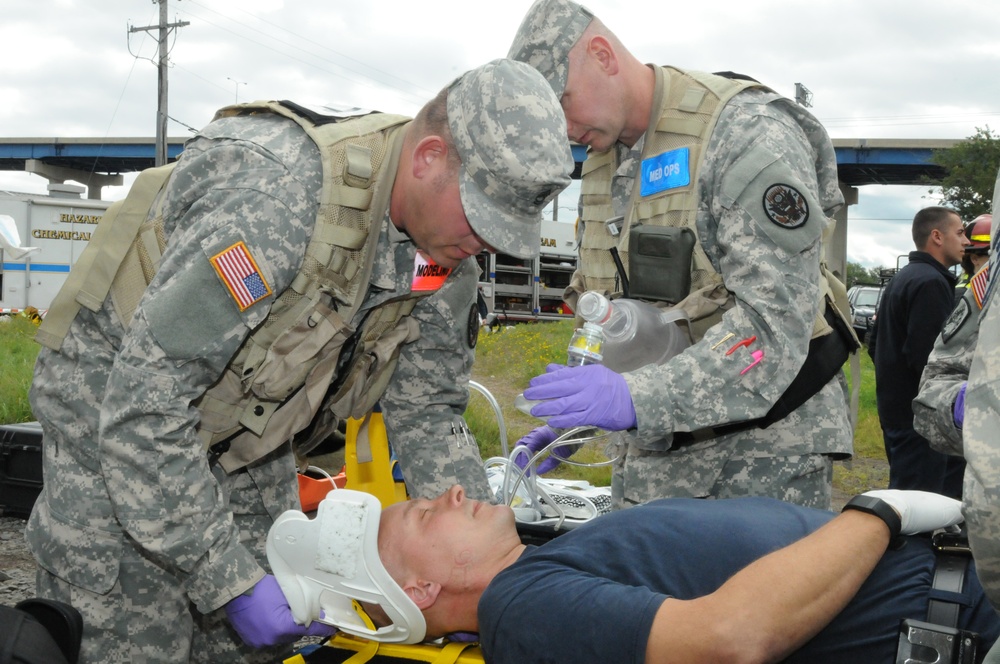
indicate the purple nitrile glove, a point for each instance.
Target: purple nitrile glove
{"x":591,"y":395}
{"x":958,"y":412}
{"x":538,"y":439}
{"x":263,"y":617}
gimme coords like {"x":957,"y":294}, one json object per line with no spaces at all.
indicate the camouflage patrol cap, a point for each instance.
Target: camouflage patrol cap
{"x":510,"y":133}
{"x":548,"y":32}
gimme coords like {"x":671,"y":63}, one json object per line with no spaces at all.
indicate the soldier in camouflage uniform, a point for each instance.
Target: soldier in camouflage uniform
{"x":981,"y":443}
{"x":942,"y":383}
{"x":957,"y":411}
{"x":162,"y":550}
{"x":764,"y":149}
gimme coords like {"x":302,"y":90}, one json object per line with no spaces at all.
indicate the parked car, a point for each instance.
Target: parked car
{"x":864,"y":303}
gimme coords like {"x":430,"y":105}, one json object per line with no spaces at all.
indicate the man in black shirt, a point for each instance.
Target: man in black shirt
{"x":913,"y":310}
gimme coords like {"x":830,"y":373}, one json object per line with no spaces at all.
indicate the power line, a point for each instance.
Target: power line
{"x":187,"y":126}
{"x":302,"y":38}
{"x":365,"y":81}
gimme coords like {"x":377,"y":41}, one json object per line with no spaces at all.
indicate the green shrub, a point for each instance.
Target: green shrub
{"x":17,"y":362}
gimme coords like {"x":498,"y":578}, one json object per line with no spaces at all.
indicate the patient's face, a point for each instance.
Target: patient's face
{"x":425,"y":537}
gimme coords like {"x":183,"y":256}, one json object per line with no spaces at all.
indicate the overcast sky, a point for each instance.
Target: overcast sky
{"x":876,"y":68}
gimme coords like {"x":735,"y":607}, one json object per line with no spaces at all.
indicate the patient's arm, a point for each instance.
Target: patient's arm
{"x":773,"y":606}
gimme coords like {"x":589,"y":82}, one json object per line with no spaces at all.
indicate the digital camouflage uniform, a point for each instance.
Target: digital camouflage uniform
{"x":946,"y":369}
{"x":133,"y":526}
{"x":981,"y":440}
{"x":133,"y":487}
{"x":773,"y":273}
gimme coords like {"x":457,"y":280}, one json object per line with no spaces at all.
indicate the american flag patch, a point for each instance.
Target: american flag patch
{"x":240,"y":274}
{"x":978,"y":285}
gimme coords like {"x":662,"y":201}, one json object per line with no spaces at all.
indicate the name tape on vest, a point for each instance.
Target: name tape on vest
{"x":427,"y":275}
{"x":669,"y":170}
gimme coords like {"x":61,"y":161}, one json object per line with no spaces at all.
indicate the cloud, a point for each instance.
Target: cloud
{"x":878,"y":231}
{"x":886,"y":69}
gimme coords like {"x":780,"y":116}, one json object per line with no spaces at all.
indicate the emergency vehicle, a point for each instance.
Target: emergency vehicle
{"x":517,"y":290}
{"x":59,"y":225}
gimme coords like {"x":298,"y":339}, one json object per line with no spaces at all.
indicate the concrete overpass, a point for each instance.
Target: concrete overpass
{"x":885,"y":161}
{"x":100,"y":162}
{"x":93,"y":162}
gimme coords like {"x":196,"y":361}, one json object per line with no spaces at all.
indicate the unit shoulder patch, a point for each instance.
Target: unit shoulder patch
{"x":785,"y":206}
{"x":955,"y":321}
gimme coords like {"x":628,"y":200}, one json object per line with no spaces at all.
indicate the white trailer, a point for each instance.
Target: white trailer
{"x":528,"y":290}
{"x":60,"y":226}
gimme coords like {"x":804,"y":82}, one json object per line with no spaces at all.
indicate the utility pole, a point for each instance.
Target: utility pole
{"x":164,"y":29}
{"x":238,"y":84}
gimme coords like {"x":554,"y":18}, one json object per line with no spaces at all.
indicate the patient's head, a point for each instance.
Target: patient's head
{"x":443,"y":552}
{"x":434,"y":538}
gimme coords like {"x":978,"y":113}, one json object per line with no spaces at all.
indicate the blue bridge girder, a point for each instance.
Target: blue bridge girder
{"x":90,"y":155}
{"x":859,"y":161}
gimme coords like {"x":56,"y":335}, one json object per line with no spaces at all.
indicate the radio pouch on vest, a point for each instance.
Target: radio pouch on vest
{"x":660,"y":262}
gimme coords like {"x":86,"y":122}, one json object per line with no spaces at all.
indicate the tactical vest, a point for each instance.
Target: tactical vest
{"x":689,"y":106}
{"x":306,"y":367}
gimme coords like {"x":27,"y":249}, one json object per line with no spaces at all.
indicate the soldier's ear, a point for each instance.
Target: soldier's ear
{"x":429,"y":153}
{"x":603,"y":52}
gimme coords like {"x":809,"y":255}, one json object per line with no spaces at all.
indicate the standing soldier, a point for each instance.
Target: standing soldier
{"x":982,"y":443}
{"x":715,"y":193}
{"x":938,"y":409}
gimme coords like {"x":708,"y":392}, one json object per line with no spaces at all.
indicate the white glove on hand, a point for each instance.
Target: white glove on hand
{"x":920,"y":511}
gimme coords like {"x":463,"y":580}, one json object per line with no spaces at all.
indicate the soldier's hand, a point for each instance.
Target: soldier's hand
{"x":591,"y":395}
{"x":263,"y":618}
{"x":958,"y":411}
{"x":920,"y":511}
{"x":538,"y":439}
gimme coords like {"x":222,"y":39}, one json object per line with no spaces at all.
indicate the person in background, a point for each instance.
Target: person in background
{"x":977,"y":253}
{"x":911,"y":315}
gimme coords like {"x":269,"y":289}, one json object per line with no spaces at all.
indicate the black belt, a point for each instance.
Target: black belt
{"x":940,"y":639}
{"x":952,"y":556}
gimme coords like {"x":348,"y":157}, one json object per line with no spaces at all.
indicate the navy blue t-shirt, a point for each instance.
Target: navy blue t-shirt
{"x":590,"y":595}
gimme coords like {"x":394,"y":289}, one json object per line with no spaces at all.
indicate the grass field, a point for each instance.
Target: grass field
{"x":17,"y":360}
{"x":506,"y":360}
